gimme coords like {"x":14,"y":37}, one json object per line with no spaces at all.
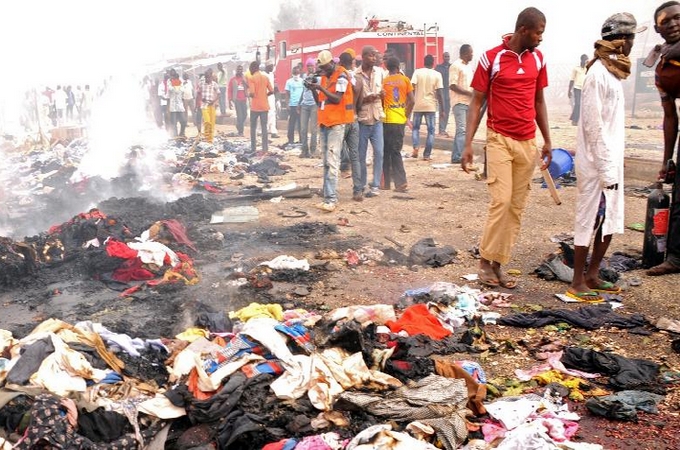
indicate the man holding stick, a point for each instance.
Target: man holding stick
{"x":511,"y":78}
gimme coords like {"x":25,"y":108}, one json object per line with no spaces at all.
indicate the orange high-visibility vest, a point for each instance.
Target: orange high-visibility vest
{"x":331,"y":114}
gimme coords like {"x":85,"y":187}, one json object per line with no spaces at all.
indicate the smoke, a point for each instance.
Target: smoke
{"x":119,"y":121}
{"x":123,"y":153}
{"x":124,"y":140}
{"x":300,"y":14}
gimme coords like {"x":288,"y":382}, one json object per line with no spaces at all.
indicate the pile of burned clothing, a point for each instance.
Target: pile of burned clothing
{"x":107,"y":250}
{"x":265,"y":377}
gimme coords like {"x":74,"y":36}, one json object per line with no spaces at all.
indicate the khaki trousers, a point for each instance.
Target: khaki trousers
{"x":511,"y":167}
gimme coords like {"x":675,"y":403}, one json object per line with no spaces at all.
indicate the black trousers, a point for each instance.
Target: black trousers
{"x":262,"y":116}
{"x":673,"y":236}
{"x":293,"y":123}
{"x":393,"y":164}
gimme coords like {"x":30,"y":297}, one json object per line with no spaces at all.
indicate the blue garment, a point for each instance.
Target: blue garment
{"x":350,"y":156}
{"x":331,"y":147}
{"x":307,"y":96}
{"x":460,"y":111}
{"x":374,"y":133}
{"x":429,"y":123}
{"x":308,"y":128}
{"x":294,"y":88}
{"x":298,"y":333}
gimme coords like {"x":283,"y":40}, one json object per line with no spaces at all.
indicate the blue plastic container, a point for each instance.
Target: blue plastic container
{"x":561,"y":164}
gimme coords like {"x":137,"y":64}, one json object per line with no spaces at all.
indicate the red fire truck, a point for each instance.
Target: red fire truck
{"x":409,"y":44}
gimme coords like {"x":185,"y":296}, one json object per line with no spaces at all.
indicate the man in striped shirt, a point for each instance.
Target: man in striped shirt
{"x":210,"y":95}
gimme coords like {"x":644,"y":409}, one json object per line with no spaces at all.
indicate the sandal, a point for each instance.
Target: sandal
{"x":588,"y":296}
{"x":606,"y":287}
{"x":503,"y":281}
{"x":507,"y":283}
{"x":665,"y":268}
{"x":488,"y":277}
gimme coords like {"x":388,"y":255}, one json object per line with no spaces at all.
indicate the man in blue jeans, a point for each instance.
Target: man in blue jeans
{"x":308,"y":114}
{"x":460,"y":78}
{"x":370,"y":115}
{"x":427,"y":84}
{"x":335,"y":98}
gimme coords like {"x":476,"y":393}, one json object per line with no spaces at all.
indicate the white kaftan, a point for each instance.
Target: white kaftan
{"x":599,"y":154}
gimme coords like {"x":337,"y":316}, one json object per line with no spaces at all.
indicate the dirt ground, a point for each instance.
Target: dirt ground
{"x":443,"y":202}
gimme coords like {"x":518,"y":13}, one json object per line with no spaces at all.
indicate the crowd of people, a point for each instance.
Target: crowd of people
{"x":58,"y":107}
{"x":340,"y":106}
{"x":174,"y":98}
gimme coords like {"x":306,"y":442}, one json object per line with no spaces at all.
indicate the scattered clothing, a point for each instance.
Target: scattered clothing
{"x":624,"y":404}
{"x":589,"y":317}
{"x":435,"y":401}
{"x":624,"y":373}
{"x":417,"y":319}
{"x":426,"y":253}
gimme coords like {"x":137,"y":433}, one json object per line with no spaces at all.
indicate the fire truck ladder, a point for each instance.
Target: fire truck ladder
{"x":431,"y":40}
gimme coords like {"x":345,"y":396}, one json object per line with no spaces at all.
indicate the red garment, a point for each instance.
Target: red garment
{"x":417,"y":319}
{"x":94,"y":213}
{"x":238,"y":86}
{"x":132,"y":270}
{"x":130,"y":291}
{"x":276,"y":445}
{"x":119,"y":249}
{"x":179,"y":233}
{"x":510,"y":82}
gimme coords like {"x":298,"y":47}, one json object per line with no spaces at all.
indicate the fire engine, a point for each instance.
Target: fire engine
{"x":293,"y":47}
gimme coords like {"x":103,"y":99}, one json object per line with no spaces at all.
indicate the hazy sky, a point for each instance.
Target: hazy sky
{"x":72,"y":41}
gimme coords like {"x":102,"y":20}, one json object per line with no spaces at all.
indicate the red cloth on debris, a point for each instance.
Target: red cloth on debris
{"x":132,"y":270}
{"x":417,"y":319}
{"x":131,"y":290}
{"x":119,"y":249}
{"x":94,"y":213}
{"x":211,"y":187}
{"x":179,"y":233}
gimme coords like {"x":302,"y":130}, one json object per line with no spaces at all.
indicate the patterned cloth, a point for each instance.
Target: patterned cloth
{"x":298,"y":333}
{"x":238,"y":346}
{"x":269,"y":367}
{"x":209,"y":91}
{"x":49,"y":428}
{"x":435,"y":401}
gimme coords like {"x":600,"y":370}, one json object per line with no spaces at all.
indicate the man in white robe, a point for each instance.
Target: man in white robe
{"x":599,"y":156}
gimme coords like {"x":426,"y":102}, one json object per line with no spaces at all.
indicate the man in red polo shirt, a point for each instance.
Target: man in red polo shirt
{"x":511,"y":78}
